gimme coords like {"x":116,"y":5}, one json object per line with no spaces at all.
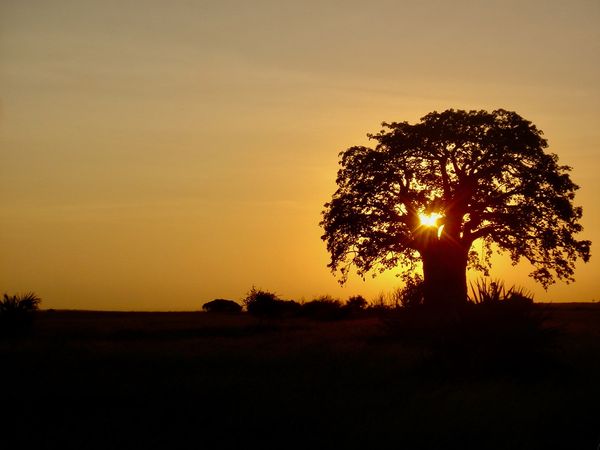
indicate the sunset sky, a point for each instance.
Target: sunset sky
{"x":155,"y":155}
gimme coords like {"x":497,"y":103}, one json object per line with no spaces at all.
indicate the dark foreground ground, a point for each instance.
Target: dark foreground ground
{"x":91,"y":380}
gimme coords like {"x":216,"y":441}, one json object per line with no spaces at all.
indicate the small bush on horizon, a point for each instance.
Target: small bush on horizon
{"x":267,"y":304}
{"x":324,"y":307}
{"x":220,"y":305}
{"x":259,"y":302}
{"x":356,"y":303}
{"x":17,"y":312}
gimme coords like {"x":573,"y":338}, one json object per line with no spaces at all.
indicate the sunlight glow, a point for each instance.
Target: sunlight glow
{"x":429,"y":220}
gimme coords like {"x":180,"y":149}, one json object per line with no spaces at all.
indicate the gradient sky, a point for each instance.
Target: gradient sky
{"x":155,"y":155}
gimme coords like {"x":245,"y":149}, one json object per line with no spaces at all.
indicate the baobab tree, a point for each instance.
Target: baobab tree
{"x":426,"y":192}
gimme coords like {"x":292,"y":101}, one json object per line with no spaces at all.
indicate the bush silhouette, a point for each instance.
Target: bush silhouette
{"x":493,"y":291}
{"x":267,"y":304}
{"x":17,"y":312}
{"x":356,"y":304}
{"x":323,"y":308}
{"x":220,"y":305}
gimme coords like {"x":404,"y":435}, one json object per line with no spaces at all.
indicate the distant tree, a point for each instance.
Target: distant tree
{"x":220,"y":305}
{"x":428,"y":191}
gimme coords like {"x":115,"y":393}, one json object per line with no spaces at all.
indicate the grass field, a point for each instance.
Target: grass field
{"x":103,"y":380}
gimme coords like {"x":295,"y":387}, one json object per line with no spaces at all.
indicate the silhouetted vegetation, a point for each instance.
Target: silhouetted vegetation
{"x":17,"y":312}
{"x":356,"y":304}
{"x":323,"y":308}
{"x":220,"y":305}
{"x":499,"y":331}
{"x":413,"y":292}
{"x":267,"y":304}
{"x":426,"y":192}
{"x":493,"y":291}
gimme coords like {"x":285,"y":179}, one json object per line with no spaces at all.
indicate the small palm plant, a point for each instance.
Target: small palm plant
{"x":24,"y":302}
{"x":16,"y":311}
{"x":494,"y":291}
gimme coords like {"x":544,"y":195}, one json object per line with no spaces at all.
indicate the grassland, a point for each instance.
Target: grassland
{"x":102,"y":380}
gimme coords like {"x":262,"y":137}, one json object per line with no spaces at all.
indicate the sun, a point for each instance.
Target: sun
{"x":429,"y":220}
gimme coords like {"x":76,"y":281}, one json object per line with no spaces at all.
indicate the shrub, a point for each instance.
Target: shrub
{"x":519,"y":296}
{"x":17,"y":312}
{"x":259,"y":302}
{"x":220,"y":305}
{"x":356,"y":304}
{"x":288,"y":308}
{"x":323,"y":308}
{"x":497,"y":311}
{"x":267,"y":304}
{"x":494,"y":291}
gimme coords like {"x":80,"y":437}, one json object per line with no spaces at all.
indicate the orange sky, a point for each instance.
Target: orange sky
{"x":155,"y":155}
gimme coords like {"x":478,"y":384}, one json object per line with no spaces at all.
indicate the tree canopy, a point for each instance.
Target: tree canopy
{"x":482,"y":175}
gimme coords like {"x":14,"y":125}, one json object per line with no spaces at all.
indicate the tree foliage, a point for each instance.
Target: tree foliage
{"x":486,"y":173}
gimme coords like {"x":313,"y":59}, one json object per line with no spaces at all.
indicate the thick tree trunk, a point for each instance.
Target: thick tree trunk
{"x":444,"y":273}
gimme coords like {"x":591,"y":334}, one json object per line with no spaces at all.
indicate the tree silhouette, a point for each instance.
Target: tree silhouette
{"x":427,"y":191}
